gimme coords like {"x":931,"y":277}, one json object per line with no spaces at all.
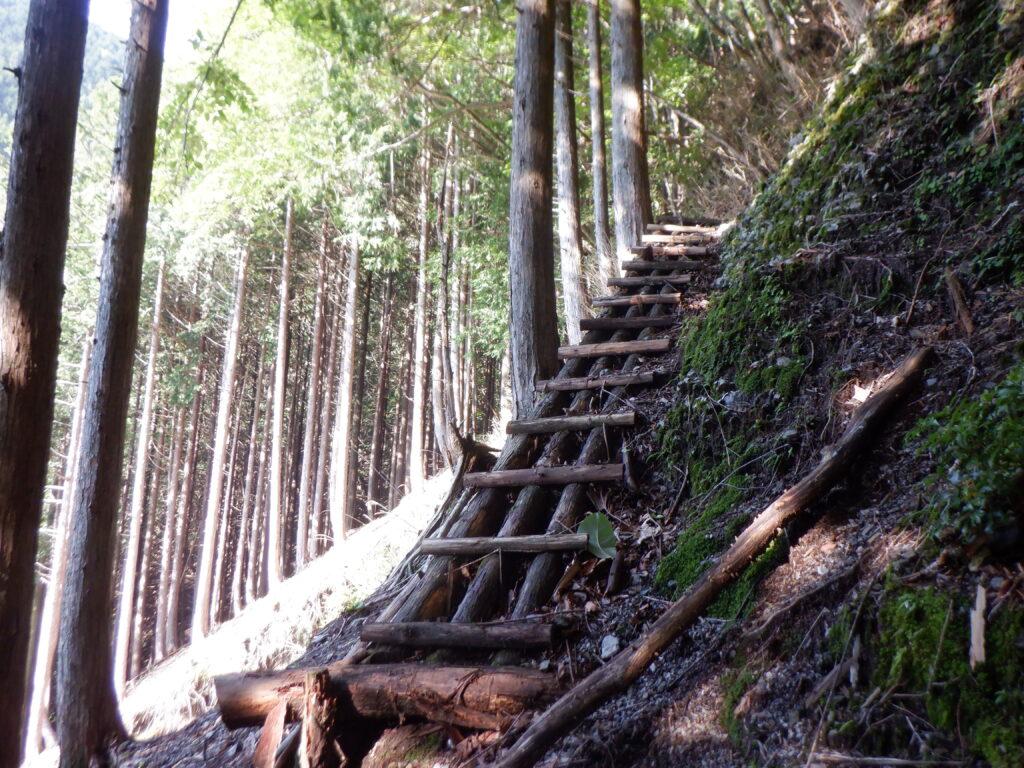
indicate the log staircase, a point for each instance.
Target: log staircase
{"x":515,"y":524}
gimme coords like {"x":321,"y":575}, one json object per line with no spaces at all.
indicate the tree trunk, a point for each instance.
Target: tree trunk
{"x":149,"y":523}
{"x":323,"y":451}
{"x":570,"y":237}
{"x":631,"y":194}
{"x":31,"y":273}
{"x":358,"y":397}
{"x":275,"y":504}
{"x":86,"y":701}
{"x":417,"y":472}
{"x":184,"y":514}
{"x":375,"y":480}
{"x":160,"y":647}
{"x":602,"y":233}
{"x":129,"y":573}
{"x":231,"y":475}
{"x":252,"y":572}
{"x":46,"y":645}
{"x":237,"y":594}
{"x":401,"y":452}
{"x":313,"y":396}
{"x":208,"y":551}
{"x":534,"y":322}
{"x":340,"y":443}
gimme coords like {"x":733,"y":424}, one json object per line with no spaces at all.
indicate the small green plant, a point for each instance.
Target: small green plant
{"x":601,"y":539}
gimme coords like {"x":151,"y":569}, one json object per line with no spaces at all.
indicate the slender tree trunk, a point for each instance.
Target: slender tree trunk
{"x":46,"y":646}
{"x":313,"y":395}
{"x":184,"y":515}
{"x":631,"y":193}
{"x":275,"y":506}
{"x":323,"y":450}
{"x":534,"y":321}
{"x":400,"y":452}
{"x":417,"y":472}
{"x":129,"y":573}
{"x":439,"y":411}
{"x":86,"y":701}
{"x":252,"y":571}
{"x":208,"y":551}
{"x":149,"y":523}
{"x":31,"y":287}
{"x":357,"y":404}
{"x":340,"y":443}
{"x":607,"y":266}
{"x":375,"y":481}
{"x":237,"y":593}
{"x":570,"y":236}
{"x":160,"y":649}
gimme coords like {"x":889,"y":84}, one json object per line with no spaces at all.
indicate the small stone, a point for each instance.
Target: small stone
{"x":931,"y":382}
{"x":609,"y":646}
{"x":782,"y":361}
{"x":544,"y":665}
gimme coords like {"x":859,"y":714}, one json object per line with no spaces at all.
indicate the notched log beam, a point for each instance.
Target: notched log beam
{"x":594,"y":473}
{"x":570,"y":423}
{"x":614,"y":348}
{"x":563,"y":542}
{"x":437,"y":634}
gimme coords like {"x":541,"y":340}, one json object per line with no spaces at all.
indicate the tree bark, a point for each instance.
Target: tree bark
{"x":208,"y":551}
{"x":620,"y":672}
{"x":474,"y":697}
{"x":631,"y":194}
{"x":358,"y":405}
{"x":595,"y":473}
{"x":615,"y":348}
{"x":275,"y":503}
{"x":486,"y":544}
{"x":129,"y":572}
{"x":534,"y":321}
{"x":602,"y":232}
{"x":313,"y":397}
{"x":137,"y":640}
{"x":86,"y":701}
{"x":570,"y":236}
{"x":227,"y":503}
{"x":375,"y":478}
{"x":160,"y":648}
{"x":417,"y":470}
{"x":237,"y":582}
{"x":252,"y":571}
{"x":340,"y":442}
{"x":439,"y":634}
{"x":31,"y":275}
{"x":323,"y":450}
{"x":319,"y":712}
{"x":596,"y":382}
{"x":569,"y":423}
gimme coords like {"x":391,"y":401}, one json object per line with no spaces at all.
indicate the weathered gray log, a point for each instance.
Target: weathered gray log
{"x":639,"y":282}
{"x":486,"y":544}
{"x":649,"y":251}
{"x":441,"y":634}
{"x":570,"y":423}
{"x":596,"y":382}
{"x":618,"y":323}
{"x":647,"y":265}
{"x":473,"y":697}
{"x":620,"y":672}
{"x":615,"y":348}
{"x":593,"y":473}
{"x":680,"y":229}
{"x":673,"y":239}
{"x":643,"y":298}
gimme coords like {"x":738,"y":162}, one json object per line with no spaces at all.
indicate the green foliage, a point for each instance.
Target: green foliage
{"x":601,"y":539}
{"x":978,"y":445}
{"x":921,"y":648}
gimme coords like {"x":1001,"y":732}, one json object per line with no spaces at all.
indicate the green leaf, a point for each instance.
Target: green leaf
{"x":601,"y":538}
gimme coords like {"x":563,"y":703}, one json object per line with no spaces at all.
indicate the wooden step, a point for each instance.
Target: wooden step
{"x":570,"y":423}
{"x":438,"y":634}
{"x":673,"y":239}
{"x":595,"y":382}
{"x":505,"y":478}
{"x":614,"y":348}
{"x":680,"y":228}
{"x":643,"y":265}
{"x":472,"y":547}
{"x":671,"y":250}
{"x":642,"y":298}
{"x":618,"y":323}
{"x":640,"y":282}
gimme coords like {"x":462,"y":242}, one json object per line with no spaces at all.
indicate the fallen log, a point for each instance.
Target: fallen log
{"x":638,"y":299}
{"x":623,"y":669}
{"x":673,"y":239}
{"x":646,"y":265}
{"x":614,"y":348}
{"x":473,"y":697}
{"x":317,"y":748}
{"x":637,"y":282}
{"x":596,"y":382}
{"x":486,"y":544}
{"x":680,"y":228}
{"x":618,"y":323}
{"x":570,"y":423}
{"x":440,"y":634}
{"x":648,"y":251}
{"x":593,"y":473}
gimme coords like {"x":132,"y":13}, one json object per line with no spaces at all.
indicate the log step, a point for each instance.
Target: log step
{"x":673,"y":239}
{"x":614,"y":348}
{"x":639,"y":299}
{"x":639,"y":282}
{"x":595,"y":382}
{"x":592,"y":473}
{"x":670,"y":250}
{"x":569,"y":423}
{"x":484,"y":545}
{"x":643,"y":265}
{"x":435,"y":634}
{"x":680,"y":229}
{"x":618,"y":323}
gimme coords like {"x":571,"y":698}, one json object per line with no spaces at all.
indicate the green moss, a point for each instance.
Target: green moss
{"x":736,"y":683}
{"x":921,"y":648}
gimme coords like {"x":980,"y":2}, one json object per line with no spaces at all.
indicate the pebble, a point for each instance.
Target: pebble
{"x":609,"y":646}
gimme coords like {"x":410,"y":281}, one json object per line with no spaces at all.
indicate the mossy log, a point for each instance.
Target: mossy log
{"x":622,"y":670}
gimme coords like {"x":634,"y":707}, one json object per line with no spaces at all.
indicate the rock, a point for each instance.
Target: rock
{"x":609,"y":646}
{"x":782,"y":361}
